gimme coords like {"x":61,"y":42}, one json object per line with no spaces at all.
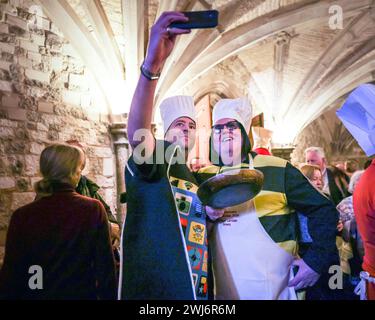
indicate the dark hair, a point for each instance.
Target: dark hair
{"x":245,"y":149}
{"x":341,"y":179}
{"x":351,"y":166}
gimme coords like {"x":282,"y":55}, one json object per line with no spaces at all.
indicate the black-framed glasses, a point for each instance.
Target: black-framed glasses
{"x":231,"y":126}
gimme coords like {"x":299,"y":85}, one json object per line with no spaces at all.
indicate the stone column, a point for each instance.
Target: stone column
{"x":122,"y":152}
{"x":281,"y":48}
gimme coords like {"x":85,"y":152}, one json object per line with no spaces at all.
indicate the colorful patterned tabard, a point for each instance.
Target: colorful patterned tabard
{"x":193,"y":223}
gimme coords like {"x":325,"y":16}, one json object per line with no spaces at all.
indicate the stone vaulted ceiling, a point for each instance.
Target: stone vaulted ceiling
{"x":283,"y":54}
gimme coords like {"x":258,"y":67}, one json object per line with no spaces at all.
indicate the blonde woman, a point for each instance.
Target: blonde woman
{"x":58,"y":247}
{"x":254,"y":244}
{"x":314,"y":174}
{"x":89,"y":188}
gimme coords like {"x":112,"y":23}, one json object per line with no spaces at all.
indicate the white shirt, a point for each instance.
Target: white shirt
{"x":325,"y":183}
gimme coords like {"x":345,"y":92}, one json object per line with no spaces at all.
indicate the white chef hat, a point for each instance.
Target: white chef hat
{"x":237,"y":109}
{"x":358,"y":116}
{"x":262,"y":137}
{"x":176,"y":107}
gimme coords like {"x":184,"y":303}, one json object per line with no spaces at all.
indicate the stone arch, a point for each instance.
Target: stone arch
{"x":231,"y":42}
{"x":343,"y":84}
{"x":221,"y":89}
{"x":327,"y":66}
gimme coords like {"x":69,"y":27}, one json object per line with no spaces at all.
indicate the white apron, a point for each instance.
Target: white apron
{"x":247,"y":263}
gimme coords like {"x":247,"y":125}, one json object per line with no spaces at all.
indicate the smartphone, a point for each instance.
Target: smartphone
{"x":198,"y":20}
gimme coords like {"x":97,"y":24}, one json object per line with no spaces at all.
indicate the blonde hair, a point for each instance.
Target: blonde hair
{"x":309,"y":169}
{"x":58,"y":163}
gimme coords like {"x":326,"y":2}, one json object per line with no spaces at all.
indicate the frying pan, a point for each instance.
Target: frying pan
{"x":230,"y":188}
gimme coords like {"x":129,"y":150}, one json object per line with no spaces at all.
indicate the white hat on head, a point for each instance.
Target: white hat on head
{"x":237,"y":109}
{"x":176,"y":107}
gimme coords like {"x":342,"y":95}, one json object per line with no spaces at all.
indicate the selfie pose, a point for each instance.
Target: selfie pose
{"x":164,"y":241}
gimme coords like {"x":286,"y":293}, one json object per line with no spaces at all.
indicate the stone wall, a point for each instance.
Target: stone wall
{"x":45,"y":97}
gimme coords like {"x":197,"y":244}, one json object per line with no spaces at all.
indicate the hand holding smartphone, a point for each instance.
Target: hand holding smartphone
{"x":198,"y":20}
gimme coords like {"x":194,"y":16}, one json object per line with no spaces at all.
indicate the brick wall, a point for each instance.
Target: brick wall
{"x":44,"y":98}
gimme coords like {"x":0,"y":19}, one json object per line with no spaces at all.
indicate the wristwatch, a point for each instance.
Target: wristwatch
{"x":148,"y":74}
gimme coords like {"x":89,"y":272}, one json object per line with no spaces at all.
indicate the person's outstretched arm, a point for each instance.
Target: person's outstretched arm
{"x":162,"y":41}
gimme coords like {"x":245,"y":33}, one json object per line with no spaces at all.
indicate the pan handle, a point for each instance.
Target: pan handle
{"x":251,"y":162}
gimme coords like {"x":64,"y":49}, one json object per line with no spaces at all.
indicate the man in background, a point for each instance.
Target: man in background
{"x":335,"y":188}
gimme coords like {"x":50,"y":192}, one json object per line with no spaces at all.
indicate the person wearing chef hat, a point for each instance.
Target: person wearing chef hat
{"x":254,"y":255}
{"x":164,"y":240}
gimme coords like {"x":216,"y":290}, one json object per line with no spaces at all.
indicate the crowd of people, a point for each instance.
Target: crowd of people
{"x":280,"y":245}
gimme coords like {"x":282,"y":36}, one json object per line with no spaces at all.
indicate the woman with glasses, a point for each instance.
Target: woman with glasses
{"x":254,"y":244}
